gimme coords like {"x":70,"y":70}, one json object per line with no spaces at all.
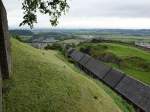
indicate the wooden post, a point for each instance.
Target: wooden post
{"x":4,"y":44}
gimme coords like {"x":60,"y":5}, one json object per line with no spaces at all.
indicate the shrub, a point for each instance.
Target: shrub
{"x":17,"y":37}
{"x":85,"y":50}
{"x":138,"y":63}
{"x":54,"y":46}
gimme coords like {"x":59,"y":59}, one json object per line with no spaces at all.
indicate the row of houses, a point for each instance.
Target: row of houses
{"x":128,"y":87}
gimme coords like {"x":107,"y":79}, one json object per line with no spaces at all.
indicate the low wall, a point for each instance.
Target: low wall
{"x":128,"y":87}
{"x":0,"y":91}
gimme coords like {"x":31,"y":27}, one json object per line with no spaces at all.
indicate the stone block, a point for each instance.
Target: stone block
{"x":5,"y":58}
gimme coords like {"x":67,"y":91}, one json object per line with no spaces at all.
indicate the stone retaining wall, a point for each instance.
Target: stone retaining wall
{"x":0,"y":92}
{"x":5,"y":65}
{"x":4,"y":43}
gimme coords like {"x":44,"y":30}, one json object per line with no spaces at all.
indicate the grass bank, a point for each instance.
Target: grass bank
{"x":41,"y":82}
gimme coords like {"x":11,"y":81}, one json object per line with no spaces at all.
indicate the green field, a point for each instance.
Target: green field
{"x":133,"y":61}
{"x":128,"y":38}
{"x":43,"y":82}
{"x":72,"y":41}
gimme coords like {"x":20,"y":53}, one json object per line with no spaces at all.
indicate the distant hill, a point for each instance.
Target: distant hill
{"x":135,"y":32}
{"x":22,"y":32}
{"x":40,"y":35}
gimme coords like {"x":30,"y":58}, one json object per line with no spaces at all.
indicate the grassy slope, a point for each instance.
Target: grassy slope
{"x":123,"y":51}
{"x":41,"y":82}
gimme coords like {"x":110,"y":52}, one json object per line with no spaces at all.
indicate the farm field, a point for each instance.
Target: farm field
{"x":72,"y":41}
{"x":70,"y":36}
{"x":43,"y":82}
{"x":133,"y":61}
{"x":127,"y":38}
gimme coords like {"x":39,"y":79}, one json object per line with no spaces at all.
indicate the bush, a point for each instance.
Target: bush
{"x":85,"y":50}
{"x":54,"y":46}
{"x":96,"y":40}
{"x":17,"y":37}
{"x":138,"y":63}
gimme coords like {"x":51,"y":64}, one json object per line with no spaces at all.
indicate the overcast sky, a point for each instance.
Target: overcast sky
{"x":91,"y":14}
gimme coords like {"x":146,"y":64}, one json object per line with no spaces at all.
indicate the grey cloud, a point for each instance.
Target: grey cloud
{"x":98,"y":8}
{"x":90,"y":9}
{"x":110,"y":8}
{"x":12,"y":4}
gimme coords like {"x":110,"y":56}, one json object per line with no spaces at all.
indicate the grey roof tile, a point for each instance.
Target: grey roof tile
{"x":136,"y":92}
{"x":97,"y":68}
{"x":85,"y":60}
{"x":77,"y":56}
{"x":113,"y":78}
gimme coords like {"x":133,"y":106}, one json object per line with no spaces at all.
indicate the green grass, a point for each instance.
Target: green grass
{"x":72,"y":41}
{"x":42,"y":82}
{"x":134,"y":62}
{"x":128,"y":38}
{"x":125,"y":51}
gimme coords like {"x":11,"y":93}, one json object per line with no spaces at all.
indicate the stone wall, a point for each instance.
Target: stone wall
{"x":0,"y":92}
{"x":4,"y":43}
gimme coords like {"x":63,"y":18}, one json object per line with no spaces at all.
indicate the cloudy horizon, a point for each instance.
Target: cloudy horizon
{"x":115,"y":14}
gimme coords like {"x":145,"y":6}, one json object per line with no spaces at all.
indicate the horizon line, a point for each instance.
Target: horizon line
{"x":46,"y":28}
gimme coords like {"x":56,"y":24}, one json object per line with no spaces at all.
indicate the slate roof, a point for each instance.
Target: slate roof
{"x":85,"y":60}
{"x":136,"y":92}
{"x":97,"y":68}
{"x":113,"y":78}
{"x":76,"y":55}
{"x":70,"y":50}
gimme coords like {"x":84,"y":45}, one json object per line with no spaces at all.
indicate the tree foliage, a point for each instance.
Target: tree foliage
{"x":54,"y":46}
{"x":53,"y":8}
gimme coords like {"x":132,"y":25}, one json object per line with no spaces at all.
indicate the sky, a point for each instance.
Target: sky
{"x":122,"y":14}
